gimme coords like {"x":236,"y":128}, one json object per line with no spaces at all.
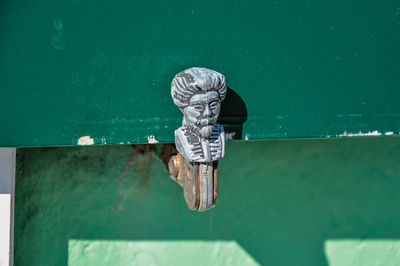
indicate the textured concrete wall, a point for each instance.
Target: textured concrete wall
{"x":280,"y":203}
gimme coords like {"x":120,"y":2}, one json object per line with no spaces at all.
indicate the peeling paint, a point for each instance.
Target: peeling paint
{"x":389,"y":133}
{"x":85,"y":140}
{"x":359,"y":134}
{"x":246,"y":137}
{"x":151,"y":139}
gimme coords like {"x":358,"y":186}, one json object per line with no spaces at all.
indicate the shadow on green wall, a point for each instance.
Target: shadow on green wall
{"x":279,"y":200}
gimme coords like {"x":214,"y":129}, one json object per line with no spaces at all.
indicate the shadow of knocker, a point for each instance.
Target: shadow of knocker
{"x":233,"y":115}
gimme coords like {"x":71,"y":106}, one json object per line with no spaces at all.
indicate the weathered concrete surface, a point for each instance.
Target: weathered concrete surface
{"x":281,"y":201}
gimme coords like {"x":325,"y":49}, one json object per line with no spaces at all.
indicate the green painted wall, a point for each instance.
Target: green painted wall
{"x":306,"y":68}
{"x":292,"y":202}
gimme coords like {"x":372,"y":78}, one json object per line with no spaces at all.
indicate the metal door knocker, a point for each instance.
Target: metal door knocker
{"x":200,"y":141}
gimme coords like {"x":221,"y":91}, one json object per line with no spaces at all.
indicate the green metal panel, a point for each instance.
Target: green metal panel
{"x":103,"y":68}
{"x":293,"y":202}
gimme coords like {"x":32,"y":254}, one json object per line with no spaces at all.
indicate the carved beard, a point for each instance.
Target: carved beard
{"x":206,"y":131}
{"x":203,"y":127}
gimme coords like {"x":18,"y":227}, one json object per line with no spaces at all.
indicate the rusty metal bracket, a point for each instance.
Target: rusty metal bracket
{"x":199,"y":181}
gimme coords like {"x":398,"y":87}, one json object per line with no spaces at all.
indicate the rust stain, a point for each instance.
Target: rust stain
{"x":126,"y":169}
{"x":145,"y":167}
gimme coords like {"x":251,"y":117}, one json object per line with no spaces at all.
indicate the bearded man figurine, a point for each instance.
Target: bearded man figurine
{"x":198,"y":93}
{"x":200,"y":141}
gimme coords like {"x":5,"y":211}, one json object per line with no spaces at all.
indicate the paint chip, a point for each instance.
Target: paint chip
{"x":389,"y":133}
{"x":85,"y":140}
{"x":151,"y":139}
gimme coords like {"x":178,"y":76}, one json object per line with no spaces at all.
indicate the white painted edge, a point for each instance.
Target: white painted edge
{"x":7,"y":186}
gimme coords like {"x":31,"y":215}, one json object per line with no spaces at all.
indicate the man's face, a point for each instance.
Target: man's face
{"x":203,"y":111}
